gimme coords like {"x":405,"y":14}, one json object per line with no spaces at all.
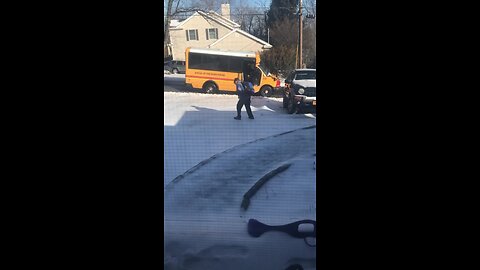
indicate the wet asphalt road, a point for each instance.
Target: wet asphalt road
{"x":174,"y":83}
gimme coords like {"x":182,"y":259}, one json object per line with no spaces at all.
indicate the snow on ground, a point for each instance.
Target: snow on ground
{"x":168,"y":77}
{"x":205,"y":228}
{"x":197,"y":126}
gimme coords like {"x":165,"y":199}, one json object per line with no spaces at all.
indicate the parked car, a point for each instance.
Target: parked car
{"x":300,"y":91}
{"x":174,"y":66}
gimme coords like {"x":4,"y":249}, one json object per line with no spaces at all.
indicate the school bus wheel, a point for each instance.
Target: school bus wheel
{"x":210,"y":87}
{"x":266,"y":91}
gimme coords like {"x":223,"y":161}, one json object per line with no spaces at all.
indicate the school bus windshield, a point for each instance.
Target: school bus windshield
{"x":264,"y":69}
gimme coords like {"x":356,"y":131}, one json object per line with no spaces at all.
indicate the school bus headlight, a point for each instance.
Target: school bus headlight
{"x":301,"y":91}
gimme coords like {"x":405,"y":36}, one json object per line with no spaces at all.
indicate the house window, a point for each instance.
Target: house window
{"x":211,"y":33}
{"x":192,"y":34}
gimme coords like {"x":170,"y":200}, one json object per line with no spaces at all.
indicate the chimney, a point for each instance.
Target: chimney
{"x":226,"y":11}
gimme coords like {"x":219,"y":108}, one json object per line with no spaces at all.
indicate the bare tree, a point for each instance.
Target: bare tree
{"x":208,"y":4}
{"x":244,"y":15}
{"x":310,"y":6}
{"x":310,"y":34}
{"x":168,"y":18}
{"x":176,"y":7}
{"x":260,"y":29}
{"x":251,"y":18}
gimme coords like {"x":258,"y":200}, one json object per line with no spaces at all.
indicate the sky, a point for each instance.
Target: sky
{"x":233,"y":3}
{"x":259,"y":5}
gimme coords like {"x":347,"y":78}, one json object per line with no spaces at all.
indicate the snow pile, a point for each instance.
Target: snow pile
{"x":168,"y":76}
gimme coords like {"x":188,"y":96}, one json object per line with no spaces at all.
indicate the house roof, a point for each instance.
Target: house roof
{"x":219,"y":17}
{"x":184,"y":21}
{"x":174,"y":23}
{"x":266,"y":45}
{"x":213,"y":16}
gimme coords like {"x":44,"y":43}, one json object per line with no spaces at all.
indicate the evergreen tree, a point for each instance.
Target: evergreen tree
{"x":282,"y":10}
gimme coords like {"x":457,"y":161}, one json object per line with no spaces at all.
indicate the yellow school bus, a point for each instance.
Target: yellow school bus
{"x":214,"y":70}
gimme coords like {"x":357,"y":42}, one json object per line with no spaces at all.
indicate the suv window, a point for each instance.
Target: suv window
{"x":306,"y":75}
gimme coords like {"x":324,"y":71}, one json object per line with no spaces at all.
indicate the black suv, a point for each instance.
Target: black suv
{"x":174,"y":66}
{"x":300,"y":90}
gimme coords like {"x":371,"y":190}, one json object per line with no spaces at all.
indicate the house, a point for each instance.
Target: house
{"x":210,"y":30}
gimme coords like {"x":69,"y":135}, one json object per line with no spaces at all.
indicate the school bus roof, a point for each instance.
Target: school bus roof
{"x":222,"y":52}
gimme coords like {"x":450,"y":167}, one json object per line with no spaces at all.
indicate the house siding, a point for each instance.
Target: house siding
{"x":238,"y":42}
{"x":234,"y":41}
{"x":179,"y":37}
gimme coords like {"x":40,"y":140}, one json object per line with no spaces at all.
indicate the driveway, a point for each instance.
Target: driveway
{"x":198,"y":126}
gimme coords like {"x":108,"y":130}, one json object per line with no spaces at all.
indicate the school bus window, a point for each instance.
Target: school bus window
{"x":223,"y":63}
{"x":210,"y":62}
{"x":235,"y":64}
{"x":194,"y":60}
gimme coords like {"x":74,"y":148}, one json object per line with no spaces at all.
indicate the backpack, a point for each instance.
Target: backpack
{"x":248,"y":88}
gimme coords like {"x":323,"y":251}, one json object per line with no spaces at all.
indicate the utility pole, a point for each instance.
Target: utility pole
{"x":300,"y":63}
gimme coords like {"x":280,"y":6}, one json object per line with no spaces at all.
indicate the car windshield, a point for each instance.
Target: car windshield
{"x":306,"y":75}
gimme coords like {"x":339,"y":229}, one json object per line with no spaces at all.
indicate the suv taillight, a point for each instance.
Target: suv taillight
{"x":278,"y":83}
